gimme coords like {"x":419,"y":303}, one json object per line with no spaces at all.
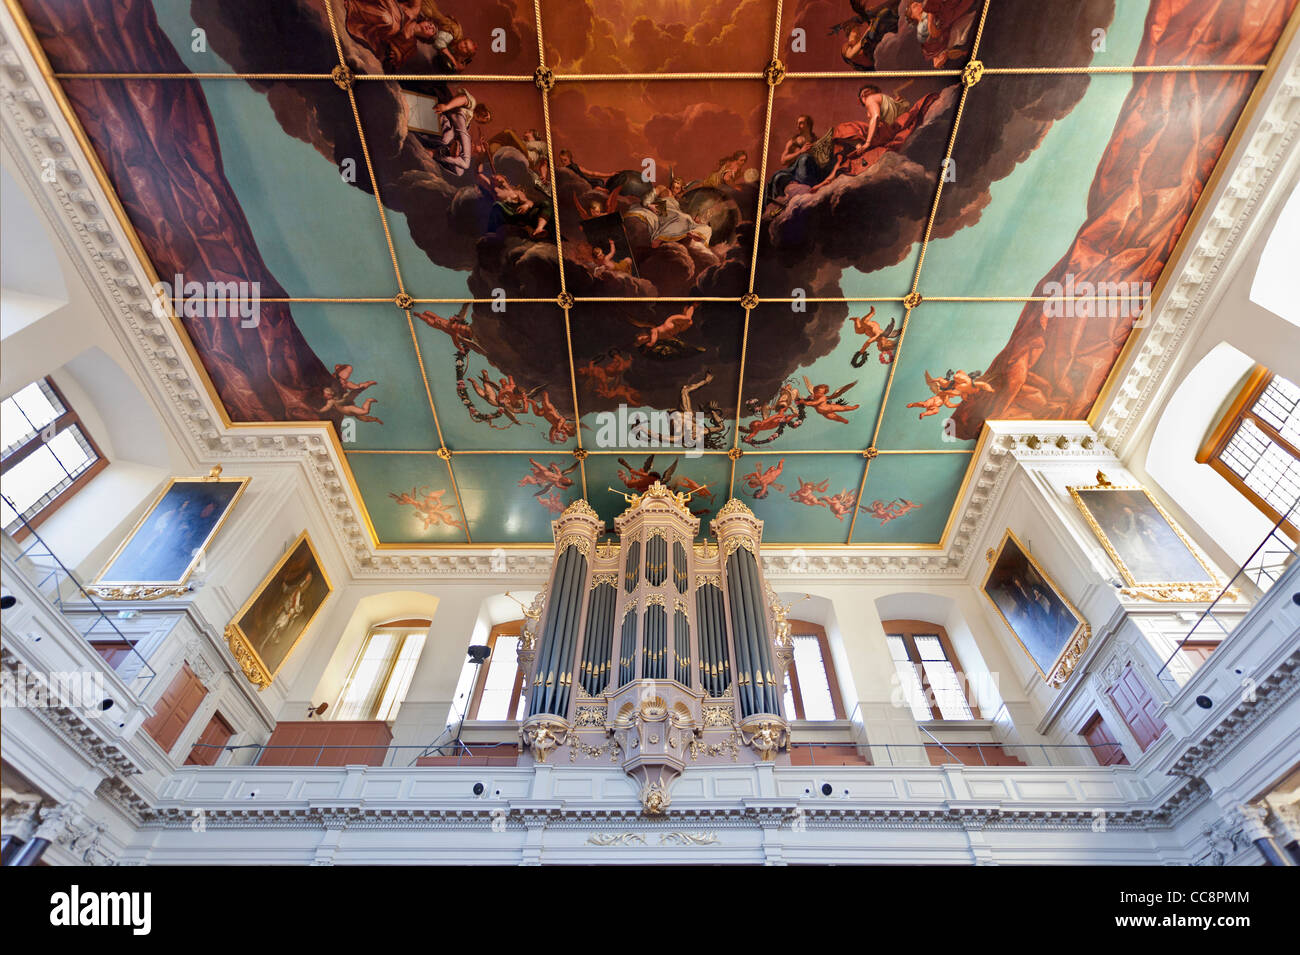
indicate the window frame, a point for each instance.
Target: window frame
{"x":1211,"y":450}
{"x":510,"y":628}
{"x":408,"y":624}
{"x":68,"y":419}
{"x":806,"y":628}
{"x":908,"y":630}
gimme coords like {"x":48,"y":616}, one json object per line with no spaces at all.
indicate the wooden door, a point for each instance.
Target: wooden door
{"x":216,"y":733}
{"x":1139,"y":709}
{"x":1106,"y":747}
{"x":175,"y":708}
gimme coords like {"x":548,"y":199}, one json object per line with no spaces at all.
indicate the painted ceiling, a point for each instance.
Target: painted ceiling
{"x":839,"y":235}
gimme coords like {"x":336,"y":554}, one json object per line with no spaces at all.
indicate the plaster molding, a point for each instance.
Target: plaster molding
{"x":34,"y":129}
{"x":1210,"y":252}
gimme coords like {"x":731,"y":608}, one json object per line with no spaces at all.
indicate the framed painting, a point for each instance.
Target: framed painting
{"x":167,"y":544}
{"x":1050,"y":629}
{"x":272,"y":621}
{"x":1153,"y":556}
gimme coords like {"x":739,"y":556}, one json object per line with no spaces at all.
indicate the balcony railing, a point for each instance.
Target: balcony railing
{"x":60,"y":586}
{"x":1265,"y":566}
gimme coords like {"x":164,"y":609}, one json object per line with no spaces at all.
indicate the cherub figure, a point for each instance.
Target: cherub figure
{"x":344,"y":405}
{"x":428,"y":505}
{"x":606,"y":377}
{"x":761,"y":481}
{"x":504,"y":395}
{"x":548,"y":477}
{"x":640,"y":479}
{"x":345,"y":385}
{"x":457,"y":327}
{"x":562,"y":428}
{"x":949,"y":391}
{"x":885,"y":339}
{"x":824,"y":403}
{"x":888,"y":511}
{"x":552,"y":502}
{"x":841,"y":503}
{"x":808,"y":492}
{"x":669,"y":330}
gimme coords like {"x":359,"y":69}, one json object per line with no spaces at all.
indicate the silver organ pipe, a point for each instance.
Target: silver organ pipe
{"x":634,"y":660}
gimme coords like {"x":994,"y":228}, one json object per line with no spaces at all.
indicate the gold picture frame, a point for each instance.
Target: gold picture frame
{"x":165,"y":547}
{"x":273,"y":620}
{"x":1075,"y":642}
{"x":1144,"y":511}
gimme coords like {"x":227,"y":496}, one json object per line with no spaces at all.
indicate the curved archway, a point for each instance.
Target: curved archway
{"x":1225,"y":518}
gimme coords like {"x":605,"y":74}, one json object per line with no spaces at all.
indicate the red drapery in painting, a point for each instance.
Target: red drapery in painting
{"x":1148,"y":181}
{"x":158,"y":144}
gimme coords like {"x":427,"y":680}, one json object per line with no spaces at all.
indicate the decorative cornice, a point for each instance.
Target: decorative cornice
{"x":34,"y":128}
{"x":1206,"y":263}
{"x":73,"y":728}
{"x":1269,"y":694}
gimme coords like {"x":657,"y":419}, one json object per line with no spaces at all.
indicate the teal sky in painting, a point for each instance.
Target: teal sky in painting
{"x":380,"y":475}
{"x":313,"y":248}
{"x":930,"y":480}
{"x":374,"y":339}
{"x":786,"y":521}
{"x":499,"y":508}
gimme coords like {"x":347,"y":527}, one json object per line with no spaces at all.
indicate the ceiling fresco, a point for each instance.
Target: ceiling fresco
{"x":822,"y":241}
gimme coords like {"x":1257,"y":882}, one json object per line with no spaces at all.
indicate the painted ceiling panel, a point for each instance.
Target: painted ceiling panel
{"x":463,"y":244}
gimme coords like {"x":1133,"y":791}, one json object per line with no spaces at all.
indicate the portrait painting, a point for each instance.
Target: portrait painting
{"x":1043,"y":621}
{"x":165,"y":547}
{"x":1140,"y":537}
{"x":279,"y":612}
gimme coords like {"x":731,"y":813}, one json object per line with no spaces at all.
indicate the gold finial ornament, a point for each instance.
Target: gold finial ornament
{"x":774,"y":73}
{"x":342,"y":77}
{"x":403,"y":300}
{"x":1102,"y":481}
{"x":544,"y":79}
{"x":972,"y":73}
{"x":215,"y":472}
{"x":911,"y":300}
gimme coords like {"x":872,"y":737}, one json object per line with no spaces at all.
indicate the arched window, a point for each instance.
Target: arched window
{"x":1255,"y":446}
{"x":496,"y":692}
{"x":382,"y":671}
{"x":811,"y":689}
{"x":927,"y":669}
{"x":48,"y":455}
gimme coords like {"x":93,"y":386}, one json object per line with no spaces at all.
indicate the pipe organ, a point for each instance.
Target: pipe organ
{"x":656,"y":653}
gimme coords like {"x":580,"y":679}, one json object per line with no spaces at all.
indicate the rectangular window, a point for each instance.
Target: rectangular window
{"x":496,"y":686}
{"x":927,"y":670}
{"x":811,"y":690}
{"x":47,"y":455}
{"x":1256,"y":446}
{"x":381,"y":675}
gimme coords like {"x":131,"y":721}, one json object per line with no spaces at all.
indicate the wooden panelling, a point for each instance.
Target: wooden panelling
{"x":327,"y":743}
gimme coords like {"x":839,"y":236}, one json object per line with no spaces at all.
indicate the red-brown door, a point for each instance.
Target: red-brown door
{"x":175,"y":708}
{"x":1140,"y":710}
{"x":216,"y":733}
{"x":1197,"y":652}
{"x":113,"y":651}
{"x":1104,"y":744}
